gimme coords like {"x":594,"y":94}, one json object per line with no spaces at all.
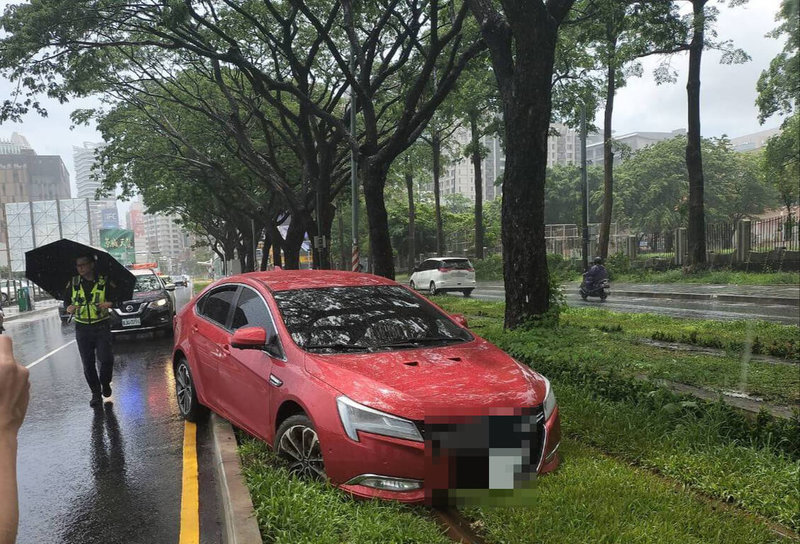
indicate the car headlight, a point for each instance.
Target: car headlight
{"x":357,"y":417}
{"x":158,"y":303}
{"x":549,"y":400}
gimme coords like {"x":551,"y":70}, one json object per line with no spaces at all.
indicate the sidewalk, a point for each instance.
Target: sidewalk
{"x":40,"y":306}
{"x":787,"y":295}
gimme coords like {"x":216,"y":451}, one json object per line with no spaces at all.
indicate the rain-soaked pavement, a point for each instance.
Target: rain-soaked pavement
{"x":779,"y":304}
{"x":110,"y":475}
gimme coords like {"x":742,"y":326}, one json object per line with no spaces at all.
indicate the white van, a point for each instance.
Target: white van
{"x":440,"y":274}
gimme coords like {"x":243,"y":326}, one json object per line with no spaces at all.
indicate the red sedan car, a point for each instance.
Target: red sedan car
{"x":358,"y":379}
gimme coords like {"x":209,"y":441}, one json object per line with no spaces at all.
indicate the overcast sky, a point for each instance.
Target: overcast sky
{"x":727,"y":92}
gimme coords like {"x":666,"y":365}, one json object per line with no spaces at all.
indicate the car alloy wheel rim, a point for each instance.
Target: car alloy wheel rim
{"x":299,"y":446}
{"x":183,"y":385}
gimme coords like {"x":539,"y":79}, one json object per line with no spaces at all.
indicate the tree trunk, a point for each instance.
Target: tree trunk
{"x":343,"y":253}
{"x":436,"y":147}
{"x":608,"y":153}
{"x":380,"y":244}
{"x":294,"y":242}
{"x":476,"y":165}
{"x":412,"y":216}
{"x":696,"y":233}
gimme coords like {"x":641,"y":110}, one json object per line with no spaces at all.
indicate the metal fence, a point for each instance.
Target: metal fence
{"x":775,"y":233}
{"x":721,"y":238}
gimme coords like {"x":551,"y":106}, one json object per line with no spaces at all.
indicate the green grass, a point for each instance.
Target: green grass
{"x":595,"y":499}
{"x":707,"y":446}
{"x":689,"y":449}
{"x":199,"y":285}
{"x":759,"y":337}
{"x":598,"y":350}
{"x":294,"y":511}
{"x":713,"y":277}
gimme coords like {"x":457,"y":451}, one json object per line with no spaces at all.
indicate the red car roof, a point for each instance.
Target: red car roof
{"x":283,"y":280}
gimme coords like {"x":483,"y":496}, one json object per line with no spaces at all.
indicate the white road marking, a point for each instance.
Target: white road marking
{"x":40,"y":359}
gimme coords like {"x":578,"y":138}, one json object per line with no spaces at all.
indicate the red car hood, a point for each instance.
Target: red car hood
{"x":411,"y":383}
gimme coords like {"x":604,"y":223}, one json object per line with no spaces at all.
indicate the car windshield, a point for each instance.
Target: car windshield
{"x":366,"y":319}
{"x":147,"y":283}
{"x":456,"y":264}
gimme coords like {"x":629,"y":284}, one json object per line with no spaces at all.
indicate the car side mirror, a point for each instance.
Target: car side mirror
{"x":460,"y":319}
{"x":170,"y":287}
{"x":249,"y":338}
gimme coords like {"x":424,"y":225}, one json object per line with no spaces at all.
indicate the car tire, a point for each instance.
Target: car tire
{"x":432,"y":289}
{"x":297,"y":443}
{"x":412,"y":285}
{"x":186,"y":393}
{"x":467,"y":292}
{"x":4,"y":298}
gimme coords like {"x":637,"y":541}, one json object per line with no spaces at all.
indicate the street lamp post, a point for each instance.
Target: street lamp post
{"x":584,"y":193}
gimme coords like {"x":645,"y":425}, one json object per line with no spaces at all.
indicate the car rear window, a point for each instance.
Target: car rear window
{"x":456,"y":264}
{"x":364,"y":319}
{"x":147,"y":283}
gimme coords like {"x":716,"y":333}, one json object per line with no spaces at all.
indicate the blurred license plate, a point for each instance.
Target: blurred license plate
{"x":131,"y":322}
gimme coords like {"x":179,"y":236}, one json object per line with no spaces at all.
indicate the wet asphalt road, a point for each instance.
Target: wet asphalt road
{"x":674,"y":307}
{"x":110,"y":475}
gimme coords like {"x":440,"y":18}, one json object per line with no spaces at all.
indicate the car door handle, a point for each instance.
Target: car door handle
{"x":195,"y":328}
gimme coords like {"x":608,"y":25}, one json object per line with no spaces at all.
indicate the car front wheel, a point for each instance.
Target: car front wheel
{"x":185,"y":391}
{"x":297,"y":443}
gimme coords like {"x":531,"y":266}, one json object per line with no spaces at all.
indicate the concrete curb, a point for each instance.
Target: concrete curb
{"x":241,"y":526}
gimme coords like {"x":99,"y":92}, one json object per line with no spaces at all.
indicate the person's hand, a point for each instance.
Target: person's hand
{"x":14,"y":389}
{"x":105,"y":305}
{"x":71,"y":309}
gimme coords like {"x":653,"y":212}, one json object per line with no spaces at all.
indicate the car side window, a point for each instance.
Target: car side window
{"x":425,"y":266}
{"x":217,"y":304}
{"x":251,"y":311}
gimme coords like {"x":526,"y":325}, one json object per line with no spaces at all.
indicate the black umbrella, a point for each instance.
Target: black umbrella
{"x":53,"y":265}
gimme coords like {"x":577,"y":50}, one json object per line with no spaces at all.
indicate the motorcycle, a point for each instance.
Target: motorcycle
{"x":597,"y":289}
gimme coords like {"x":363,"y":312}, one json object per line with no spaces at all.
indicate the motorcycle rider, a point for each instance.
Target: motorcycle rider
{"x":595,"y":274}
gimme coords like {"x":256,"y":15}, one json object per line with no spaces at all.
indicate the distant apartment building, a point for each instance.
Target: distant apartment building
{"x":563,"y":147}
{"x":754,"y":141}
{"x":634,"y":141}
{"x":167,"y":242}
{"x":134,"y":221}
{"x":28,"y":177}
{"x":87,"y":183}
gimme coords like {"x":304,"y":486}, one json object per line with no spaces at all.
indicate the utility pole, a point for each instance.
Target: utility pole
{"x":354,"y":163}
{"x":584,"y":193}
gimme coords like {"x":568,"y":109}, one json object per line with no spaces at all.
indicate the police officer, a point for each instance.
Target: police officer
{"x":88,"y":298}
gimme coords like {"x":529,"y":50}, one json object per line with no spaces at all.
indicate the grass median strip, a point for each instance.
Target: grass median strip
{"x":593,"y":498}
{"x":707,"y":446}
{"x":293,"y":511}
{"x":757,"y":337}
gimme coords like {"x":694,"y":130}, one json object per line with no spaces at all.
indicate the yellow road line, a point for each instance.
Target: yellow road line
{"x":190,"y":520}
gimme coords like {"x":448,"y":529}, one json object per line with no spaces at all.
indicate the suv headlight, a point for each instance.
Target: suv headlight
{"x":549,"y":400}
{"x":357,"y":417}
{"x":158,"y":303}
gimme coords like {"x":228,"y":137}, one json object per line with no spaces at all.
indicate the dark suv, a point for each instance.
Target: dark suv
{"x":152,"y":307}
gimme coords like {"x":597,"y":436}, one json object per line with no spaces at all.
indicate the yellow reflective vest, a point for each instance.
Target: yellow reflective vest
{"x":87,"y":311}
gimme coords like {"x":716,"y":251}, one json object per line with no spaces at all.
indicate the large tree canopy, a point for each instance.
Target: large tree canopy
{"x":779,"y":85}
{"x":652,"y":186}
